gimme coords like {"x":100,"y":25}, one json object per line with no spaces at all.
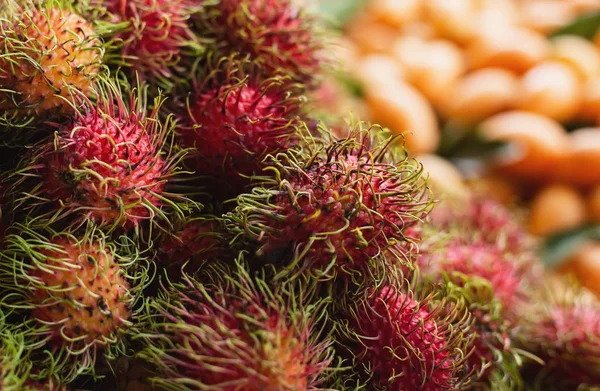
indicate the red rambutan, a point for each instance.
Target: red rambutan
{"x":77,"y":294}
{"x":156,"y":37}
{"x":233,"y":334}
{"x":494,"y":362}
{"x":47,"y":56}
{"x":233,"y":124}
{"x":563,"y":330}
{"x":482,"y":220}
{"x":481,"y":240}
{"x":477,"y":260}
{"x":109,"y":164}
{"x":199,"y":239}
{"x":277,"y":34}
{"x":42,"y":386}
{"x":337,"y":211}
{"x":403,"y":341}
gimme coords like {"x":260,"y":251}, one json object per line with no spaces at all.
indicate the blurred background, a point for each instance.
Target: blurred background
{"x":503,"y":95}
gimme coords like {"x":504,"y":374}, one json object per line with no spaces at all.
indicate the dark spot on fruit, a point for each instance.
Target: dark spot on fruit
{"x":77,"y":330}
{"x":66,"y":178}
{"x":90,"y":310}
{"x":101,"y":304}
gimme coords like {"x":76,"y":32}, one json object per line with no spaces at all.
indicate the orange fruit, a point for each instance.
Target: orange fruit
{"x":514,"y":48}
{"x":581,"y":165}
{"x":406,"y":111}
{"x":537,"y":143}
{"x":480,"y":94}
{"x":551,"y":89}
{"x":556,"y":208}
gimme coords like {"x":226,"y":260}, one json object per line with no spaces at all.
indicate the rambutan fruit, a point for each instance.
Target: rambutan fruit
{"x":75,"y":295}
{"x":156,"y":38}
{"x":340,"y":211}
{"x":234,"y":121}
{"x":277,"y":34}
{"x":133,"y":376}
{"x":109,"y":165}
{"x":494,"y":361}
{"x":481,"y":240}
{"x":479,"y":260}
{"x":482,"y":220}
{"x":14,"y":366}
{"x":42,"y":386}
{"x":563,"y":330}
{"x":233,"y":332}
{"x":399,"y":338}
{"x":196,"y":240}
{"x":47,"y":55}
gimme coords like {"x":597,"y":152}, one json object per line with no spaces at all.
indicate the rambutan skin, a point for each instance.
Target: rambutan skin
{"x":49,"y":55}
{"x":233,"y":124}
{"x":494,"y":362}
{"x":75,"y":293}
{"x":195,"y":242}
{"x":333,"y":212}
{"x":402,"y":341}
{"x":107,"y":165}
{"x":481,"y":239}
{"x":563,"y":330}
{"x":124,"y":169}
{"x":275,"y":33}
{"x":198,"y":237}
{"x":100,"y":305}
{"x":43,"y":386}
{"x":158,"y":34}
{"x":482,"y":220}
{"x":233,"y":334}
{"x":478,"y":260}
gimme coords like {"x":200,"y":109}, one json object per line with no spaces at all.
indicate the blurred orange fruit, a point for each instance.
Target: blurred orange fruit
{"x":551,"y":89}
{"x":594,"y":204}
{"x":538,"y":142}
{"x":406,"y":111}
{"x":581,"y":166}
{"x":585,"y":264}
{"x":480,"y":94}
{"x":444,"y":178}
{"x":556,"y":208}
{"x":513,"y":48}
{"x":579,"y":53}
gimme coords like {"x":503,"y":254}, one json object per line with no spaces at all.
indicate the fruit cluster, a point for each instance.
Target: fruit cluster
{"x":177,"y":215}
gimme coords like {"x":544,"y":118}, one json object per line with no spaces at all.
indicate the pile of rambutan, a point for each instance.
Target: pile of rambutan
{"x":175,"y":216}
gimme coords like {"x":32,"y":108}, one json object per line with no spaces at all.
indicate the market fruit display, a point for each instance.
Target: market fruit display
{"x":183,"y":206}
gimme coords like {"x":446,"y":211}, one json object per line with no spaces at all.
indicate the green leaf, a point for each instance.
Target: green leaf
{"x":340,"y":11}
{"x":585,"y":26}
{"x":560,"y":247}
{"x":466,"y":142}
{"x":351,"y":84}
